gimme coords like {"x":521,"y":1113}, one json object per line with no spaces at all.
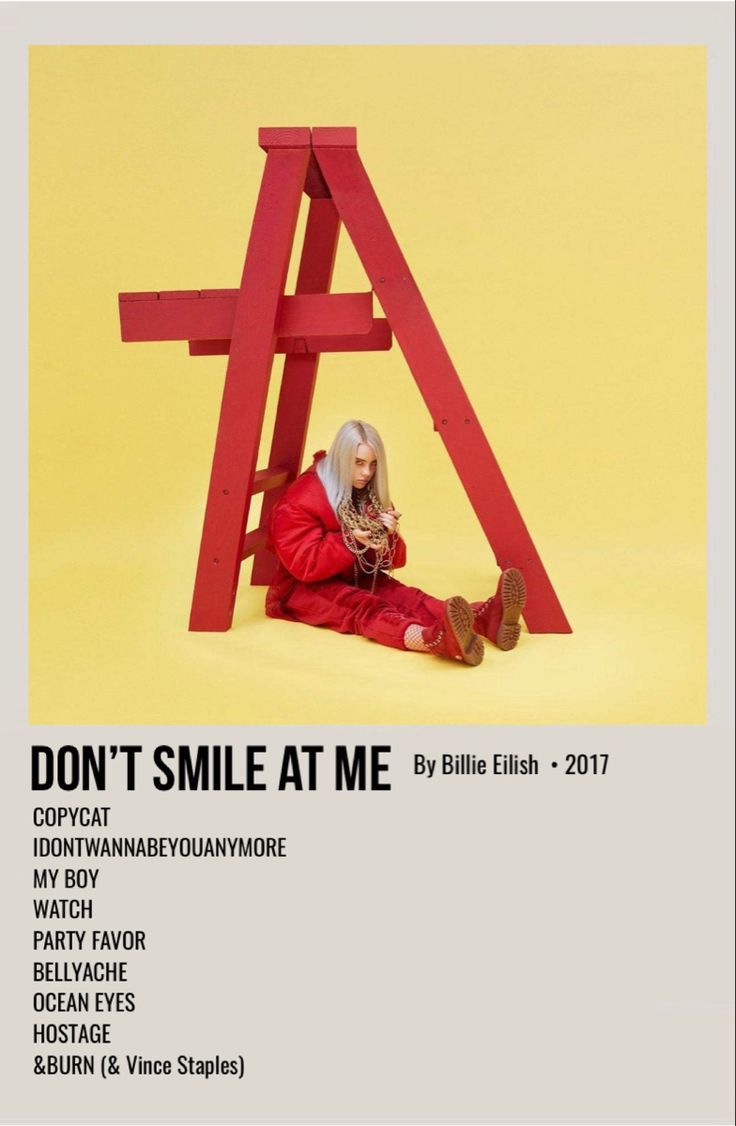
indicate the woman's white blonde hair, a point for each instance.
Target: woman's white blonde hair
{"x":337,"y":469}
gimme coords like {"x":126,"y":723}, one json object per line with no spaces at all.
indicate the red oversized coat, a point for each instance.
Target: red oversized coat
{"x":305,"y":534}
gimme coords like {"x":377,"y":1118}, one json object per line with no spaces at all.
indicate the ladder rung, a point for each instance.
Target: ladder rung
{"x":253,"y":541}
{"x":265,"y":479}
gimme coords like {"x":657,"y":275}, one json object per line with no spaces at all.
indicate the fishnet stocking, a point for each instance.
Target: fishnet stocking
{"x":414,"y":638}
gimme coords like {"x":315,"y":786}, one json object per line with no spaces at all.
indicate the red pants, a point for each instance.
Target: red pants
{"x":382,"y":615}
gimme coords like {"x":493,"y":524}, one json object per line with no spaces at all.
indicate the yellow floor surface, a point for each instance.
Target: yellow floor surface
{"x":116,"y":650}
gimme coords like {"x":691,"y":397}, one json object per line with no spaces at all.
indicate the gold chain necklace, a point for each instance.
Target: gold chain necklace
{"x":363,"y":517}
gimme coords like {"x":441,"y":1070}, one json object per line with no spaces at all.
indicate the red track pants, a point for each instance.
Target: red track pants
{"x":382,"y":615}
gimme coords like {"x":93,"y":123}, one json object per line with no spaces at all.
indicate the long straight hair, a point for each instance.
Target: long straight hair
{"x":336,"y":471}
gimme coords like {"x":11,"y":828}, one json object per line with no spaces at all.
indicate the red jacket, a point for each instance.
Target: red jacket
{"x":305,"y":534}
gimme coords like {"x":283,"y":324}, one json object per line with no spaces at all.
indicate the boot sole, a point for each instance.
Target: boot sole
{"x":460,"y":620}
{"x":513,"y":601}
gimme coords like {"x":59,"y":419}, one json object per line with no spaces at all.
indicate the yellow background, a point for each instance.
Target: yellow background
{"x":550,"y":202}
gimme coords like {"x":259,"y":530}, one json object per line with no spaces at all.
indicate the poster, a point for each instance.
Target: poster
{"x":524,"y":915}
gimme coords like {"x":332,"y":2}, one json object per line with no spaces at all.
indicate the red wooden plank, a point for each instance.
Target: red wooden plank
{"x":300,"y":371}
{"x":209,"y":347}
{"x":331,"y":135}
{"x":289,"y":137}
{"x":253,"y":542}
{"x":438,"y":382}
{"x":326,"y":314}
{"x":246,"y":388}
{"x":265,"y":479}
{"x":148,"y":296}
{"x":379,"y":339}
{"x":210,"y":316}
{"x":178,"y":318}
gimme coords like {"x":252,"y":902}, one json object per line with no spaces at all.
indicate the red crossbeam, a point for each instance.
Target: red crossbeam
{"x":209,"y":314}
{"x":379,"y":339}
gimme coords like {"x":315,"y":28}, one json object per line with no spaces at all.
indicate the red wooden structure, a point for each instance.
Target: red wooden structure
{"x":252,"y":323}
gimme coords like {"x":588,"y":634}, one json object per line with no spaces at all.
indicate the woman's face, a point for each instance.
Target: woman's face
{"x":364,"y":466}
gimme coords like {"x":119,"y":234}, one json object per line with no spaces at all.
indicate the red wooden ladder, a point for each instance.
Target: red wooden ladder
{"x":252,"y":323}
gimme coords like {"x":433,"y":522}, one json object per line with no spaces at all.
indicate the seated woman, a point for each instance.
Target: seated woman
{"x":336,"y":535}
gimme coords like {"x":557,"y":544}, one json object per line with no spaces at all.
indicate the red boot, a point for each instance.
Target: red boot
{"x":454,"y":636}
{"x":498,"y":618}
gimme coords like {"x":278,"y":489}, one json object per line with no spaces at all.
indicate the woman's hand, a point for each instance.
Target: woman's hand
{"x":362,"y":537}
{"x":390,"y":519}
